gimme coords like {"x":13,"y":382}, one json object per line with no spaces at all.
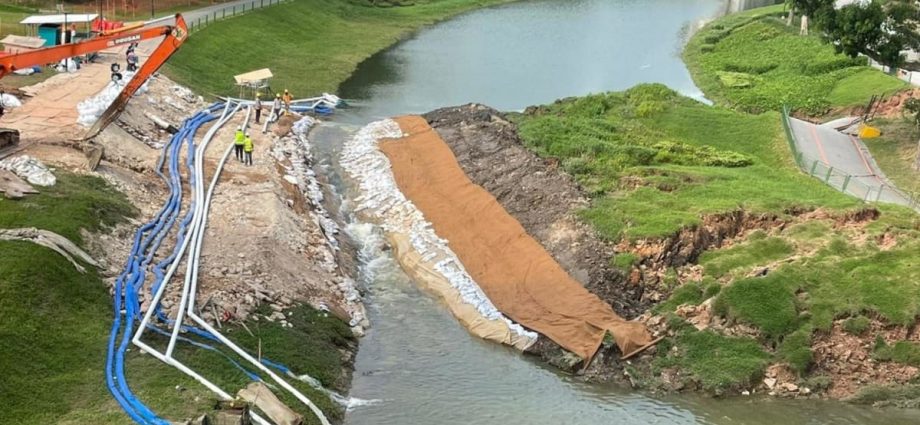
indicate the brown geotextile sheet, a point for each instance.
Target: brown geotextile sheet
{"x":512,"y":268}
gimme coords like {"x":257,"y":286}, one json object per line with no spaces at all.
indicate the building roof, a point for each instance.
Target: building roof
{"x":253,"y":76}
{"x":75,"y":18}
{"x":23,"y":41}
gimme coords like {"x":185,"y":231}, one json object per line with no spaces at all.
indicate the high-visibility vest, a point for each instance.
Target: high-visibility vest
{"x":239,"y":137}
{"x":247,"y":145}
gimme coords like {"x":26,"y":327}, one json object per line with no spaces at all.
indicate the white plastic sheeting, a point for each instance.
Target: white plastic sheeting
{"x":382,"y":199}
{"x":91,"y":109}
{"x":29,"y":169}
{"x":9,"y":101}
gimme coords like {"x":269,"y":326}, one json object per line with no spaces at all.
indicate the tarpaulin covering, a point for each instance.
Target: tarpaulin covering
{"x":512,"y":268}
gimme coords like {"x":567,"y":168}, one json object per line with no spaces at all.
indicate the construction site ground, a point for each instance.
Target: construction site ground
{"x":264,"y":250}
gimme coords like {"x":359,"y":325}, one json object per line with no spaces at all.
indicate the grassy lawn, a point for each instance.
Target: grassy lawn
{"x":896,"y":151}
{"x":315,"y":44}
{"x":10,"y":15}
{"x":656,"y":161}
{"x":54,"y":324}
{"x":753,"y":62}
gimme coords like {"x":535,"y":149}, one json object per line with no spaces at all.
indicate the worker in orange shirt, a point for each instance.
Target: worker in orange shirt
{"x":287,"y":99}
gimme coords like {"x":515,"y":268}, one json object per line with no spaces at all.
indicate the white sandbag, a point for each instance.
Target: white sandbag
{"x":91,"y":109}
{"x":29,"y":169}
{"x":9,"y":101}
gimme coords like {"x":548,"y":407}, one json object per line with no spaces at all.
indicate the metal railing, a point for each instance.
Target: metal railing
{"x":229,"y":11}
{"x":845,"y":182}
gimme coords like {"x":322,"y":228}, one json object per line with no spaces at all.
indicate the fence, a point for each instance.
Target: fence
{"x":227,"y":11}
{"x":844,"y":182}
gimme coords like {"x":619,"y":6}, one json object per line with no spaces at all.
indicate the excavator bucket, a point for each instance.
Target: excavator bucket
{"x":167,"y":47}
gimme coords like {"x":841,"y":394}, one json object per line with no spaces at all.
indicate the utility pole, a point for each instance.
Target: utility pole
{"x":152,"y":10}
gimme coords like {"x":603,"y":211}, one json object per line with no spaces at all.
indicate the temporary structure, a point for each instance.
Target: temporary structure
{"x":13,"y":44}
{"x":253,"y":82}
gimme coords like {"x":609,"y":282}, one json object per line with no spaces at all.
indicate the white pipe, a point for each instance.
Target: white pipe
{"x":149,"y":314}
{"x":199,"y":211}
{"x":196,"y":250}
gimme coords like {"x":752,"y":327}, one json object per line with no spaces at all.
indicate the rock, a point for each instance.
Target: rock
{"x":276,"y":307}
{"x":789,"y":386}
{"x":745,"y":392}
{"x":769,"y":382}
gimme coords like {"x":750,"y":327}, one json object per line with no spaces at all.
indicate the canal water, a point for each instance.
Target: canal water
{"x":416,"y":363}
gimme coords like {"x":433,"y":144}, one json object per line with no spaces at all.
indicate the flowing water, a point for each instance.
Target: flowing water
{"x":421,"y":365}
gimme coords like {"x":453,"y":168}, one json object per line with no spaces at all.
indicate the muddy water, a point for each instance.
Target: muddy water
{"x":417,"y":361}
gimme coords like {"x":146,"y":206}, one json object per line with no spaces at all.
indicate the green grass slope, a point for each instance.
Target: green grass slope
{"x":754,"y":62}
{"x":656,"y":161}
{"x":311,"y":46}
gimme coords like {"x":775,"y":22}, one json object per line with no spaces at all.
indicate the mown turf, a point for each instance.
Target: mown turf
{"x":754,"y":62}
{"x":311,"y":46}
{"x":896,"y":152}
{"x":656,"y":161}
{"x":54,"y":324}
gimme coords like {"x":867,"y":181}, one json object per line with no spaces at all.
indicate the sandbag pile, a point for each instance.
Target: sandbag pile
{"x":29,"y":169}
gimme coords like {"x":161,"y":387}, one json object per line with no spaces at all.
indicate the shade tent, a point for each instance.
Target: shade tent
{"x":253,"y":82}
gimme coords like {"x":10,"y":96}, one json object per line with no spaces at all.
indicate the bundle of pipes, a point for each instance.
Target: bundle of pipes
{"x":190,"y":235}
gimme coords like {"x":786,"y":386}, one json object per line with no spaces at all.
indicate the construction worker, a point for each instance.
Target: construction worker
{"x":247,"y":148}
{"x":276,"y":107}
{"x":258,"y":107}
{"x":238,"y":141}
{"x":287,"y":98}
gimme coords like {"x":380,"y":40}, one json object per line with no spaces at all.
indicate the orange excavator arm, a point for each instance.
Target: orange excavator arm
{"x":175,"y":35}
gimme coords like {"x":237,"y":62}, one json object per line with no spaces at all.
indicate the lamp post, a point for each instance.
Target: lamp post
{"x":152,"y":10}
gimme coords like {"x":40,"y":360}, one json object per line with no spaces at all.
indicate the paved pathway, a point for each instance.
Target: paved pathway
{"x":832,"y":156}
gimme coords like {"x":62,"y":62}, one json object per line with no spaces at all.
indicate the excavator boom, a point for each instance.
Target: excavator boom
{"x":174,"y":36}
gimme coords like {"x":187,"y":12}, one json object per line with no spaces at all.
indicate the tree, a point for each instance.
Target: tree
{"x":811,"y":9}
{"x":881,"y":32}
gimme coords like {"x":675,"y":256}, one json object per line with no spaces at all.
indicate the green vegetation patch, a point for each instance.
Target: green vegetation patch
{"x":755,"y":62}
{"x":744,"y":256}
{"x":904,"y":352}
{"x":766,"y":302}
{"x":718,"y":362}
{"x":907,"y":396}
{"x":315,"y":44}
{"x":656,"y":161}
{"x":896,"y":152}
{"x":856,"y":325}
{"x":795,"y":350}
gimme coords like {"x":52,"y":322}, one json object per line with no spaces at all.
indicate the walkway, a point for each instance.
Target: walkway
{"x":843,"y":162}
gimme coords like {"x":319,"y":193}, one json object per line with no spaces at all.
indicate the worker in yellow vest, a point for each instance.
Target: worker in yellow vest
{"x":247,"y":148}
{"x":238,"y":140}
